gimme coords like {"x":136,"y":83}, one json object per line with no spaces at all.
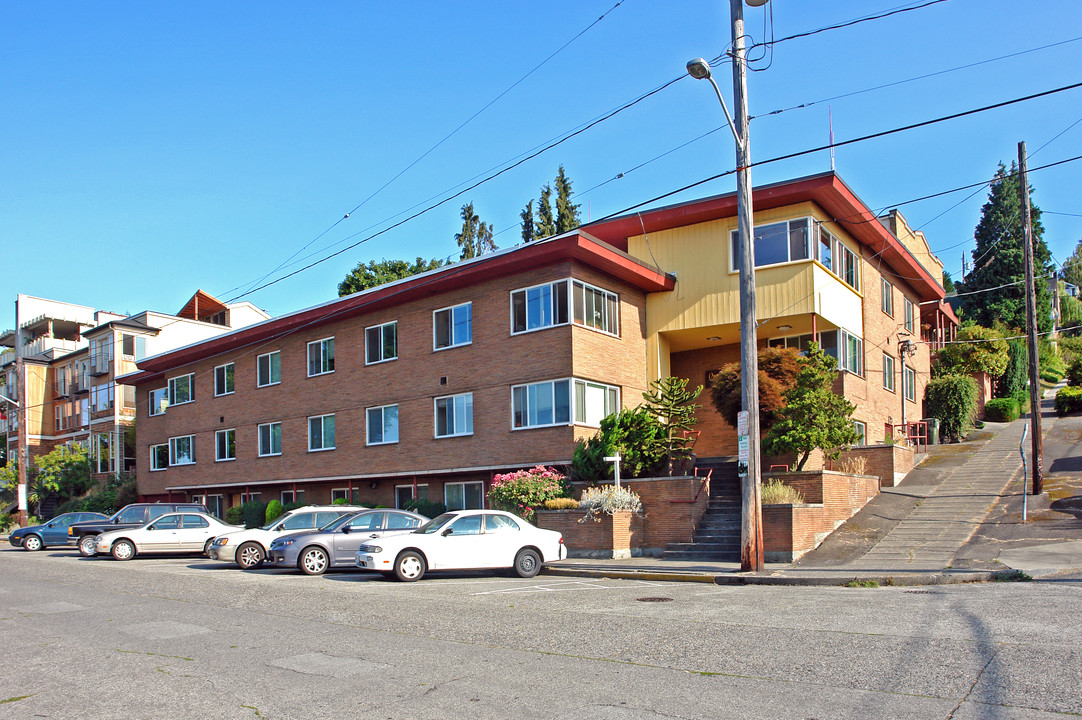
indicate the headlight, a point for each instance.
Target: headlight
{"x":220,"y":541}
{"x":370,"y":549}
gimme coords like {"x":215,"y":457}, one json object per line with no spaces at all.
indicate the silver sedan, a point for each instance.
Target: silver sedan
{"x":334,"y":545}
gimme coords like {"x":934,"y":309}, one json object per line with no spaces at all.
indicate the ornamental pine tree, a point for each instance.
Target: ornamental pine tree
{"x":476,"y":236}
{"x":567,"y":213}
{"x":813,"y":416}
{"x":670,"y":403}
{"x":998,"y":265}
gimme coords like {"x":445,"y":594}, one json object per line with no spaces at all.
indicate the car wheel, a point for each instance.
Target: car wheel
{"x":313,"y":561}
{"x":409,"y":566}
{"x":250,"y":555}
{"x":32,"y":543}
{"x":206,"y":547}
{"x":87,"y":545}
{"x":527,"y":563}
{"x":123,"y":550}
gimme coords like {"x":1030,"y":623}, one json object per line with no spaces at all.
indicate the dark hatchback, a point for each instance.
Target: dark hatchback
{"x":54,"y":532}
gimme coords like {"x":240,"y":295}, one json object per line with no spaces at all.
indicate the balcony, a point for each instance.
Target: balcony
{"x":44,"y":344}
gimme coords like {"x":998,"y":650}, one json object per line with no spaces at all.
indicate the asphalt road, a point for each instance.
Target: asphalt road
{"x":186,"y":638}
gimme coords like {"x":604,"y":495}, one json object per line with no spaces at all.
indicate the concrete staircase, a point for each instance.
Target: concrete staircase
{"x":717,"y":539}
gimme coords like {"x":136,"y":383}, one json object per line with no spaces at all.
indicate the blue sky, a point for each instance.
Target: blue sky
{"x":151,"y":149}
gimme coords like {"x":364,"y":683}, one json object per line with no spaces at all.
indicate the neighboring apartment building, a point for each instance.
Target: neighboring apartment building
{"x":72,"y":355}
{"x":428,"y":386}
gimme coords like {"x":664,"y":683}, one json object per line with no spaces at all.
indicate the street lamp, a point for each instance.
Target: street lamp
{"x":751,"y":532}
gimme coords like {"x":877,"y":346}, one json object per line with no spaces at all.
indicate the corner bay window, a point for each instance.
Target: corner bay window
{"x":548,"y":305}
{"x":552,"y":403}
{"x":452,"y":326}
{"x":454,"y":415}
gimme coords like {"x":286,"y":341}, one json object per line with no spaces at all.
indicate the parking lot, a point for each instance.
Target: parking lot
{"x":182,"y":637}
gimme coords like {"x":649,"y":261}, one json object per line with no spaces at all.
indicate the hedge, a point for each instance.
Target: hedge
{"x":1001,"y":410}
{"x":953,"y":400}
{"x":1068,"y":400}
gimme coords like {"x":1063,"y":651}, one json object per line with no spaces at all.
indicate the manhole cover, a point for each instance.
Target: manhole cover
{"x":654,"y":599}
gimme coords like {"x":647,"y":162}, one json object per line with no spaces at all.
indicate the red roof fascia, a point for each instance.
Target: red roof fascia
{"x":826,"y":190}
{"x":572,"y":246}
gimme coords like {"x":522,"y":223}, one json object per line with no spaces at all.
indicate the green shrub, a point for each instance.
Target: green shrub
{"x":73,"y":505}
{"x":775,"y":492}
{"x":235,"y":515}
{"x":1015,"y":377}
{"x":274,"y":511}
{"x":561,"y":503}
{"x":634,"y":434}
{"x":609,"y":499}
{"x":1001,"y":410}
{"x":1051,"y":376}
{"x":428,"y":508}
{"x":292,"y":506}
{"x":952,"y":399}
{"x":523,"y":491}
{"x":1069,"y":400}
{"x":254,"y":513}
{"x":340,"y":501}
{"x":1074,"y":372}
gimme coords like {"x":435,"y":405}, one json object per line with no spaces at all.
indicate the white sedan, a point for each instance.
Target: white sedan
{"x":464,"y":540}
{"x":171,"y":533}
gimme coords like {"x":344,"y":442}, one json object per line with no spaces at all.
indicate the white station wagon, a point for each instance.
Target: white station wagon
{"x":464,"y":540}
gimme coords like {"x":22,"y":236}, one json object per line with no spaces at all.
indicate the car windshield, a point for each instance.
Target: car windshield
{"x":337,"y":522}
{"x":435,"y":524}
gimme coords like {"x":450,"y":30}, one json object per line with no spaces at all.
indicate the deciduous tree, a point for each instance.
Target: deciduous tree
{"x":373,"y":274}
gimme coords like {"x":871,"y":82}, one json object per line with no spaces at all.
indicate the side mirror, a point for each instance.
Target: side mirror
{"x":447,"y":532}
{"x":346,"y":529}
{"x":151,"y":527}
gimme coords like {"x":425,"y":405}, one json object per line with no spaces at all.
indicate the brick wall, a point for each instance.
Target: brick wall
{"x":831,"y":498}
{"x":607,"y":536}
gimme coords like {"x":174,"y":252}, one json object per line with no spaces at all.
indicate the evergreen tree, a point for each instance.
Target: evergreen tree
{"x":375,"y":273}
{"x":546,"y":223}
{"x":1072,"y":267}
{"x":948,"y":282}
{"x":998,"y":259}
{"x":567,"y":213}
{"x":476,"y":236}
{"x":528,"y":234}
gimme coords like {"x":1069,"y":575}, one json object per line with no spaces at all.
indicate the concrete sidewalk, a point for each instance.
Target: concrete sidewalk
{"x":947,"y":504}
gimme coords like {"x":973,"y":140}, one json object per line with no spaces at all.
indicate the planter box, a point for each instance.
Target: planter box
{"x":609,"y":536}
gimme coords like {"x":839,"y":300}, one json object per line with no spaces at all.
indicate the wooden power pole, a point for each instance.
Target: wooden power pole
{"x":1031,"y":326}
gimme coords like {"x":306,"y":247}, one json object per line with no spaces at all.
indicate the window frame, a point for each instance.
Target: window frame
{"x":154,"y":460}
{"x":554,"y":309}
{"x":171,"y":385}
{"x":381,"y":340}
{"x":888,"y":373}
{"x":861,"y":428}
{"x":162,"y":402}
{"x":610,"y":300}
{"x":325,"y":359}
{"x":452,"y":416}
{"x":382,"y":425}
{"x":227,"y":377}
{"x":344,"y":494}
{"x":322,"y":432}
{"x":522,"y":391}
{"x":271,"y":356}
{"x":463,"y":484}
{"x":909,"y":383}
{"x":218,"y":446}
{"x":450,"y":310}
{"x":843,"y":352}
{"x":173,"y":455}
{"x":259,"y":439}
{"x":809,"y":252}
{"x":887,"y":302}
{"x":908,"y":318}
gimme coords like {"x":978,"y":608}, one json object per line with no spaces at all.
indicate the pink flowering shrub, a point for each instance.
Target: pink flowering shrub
{"x":522,"y":491}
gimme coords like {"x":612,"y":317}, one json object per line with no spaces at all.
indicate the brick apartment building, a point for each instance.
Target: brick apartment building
{"x":72,"y":355}
{"x":428,"y":386}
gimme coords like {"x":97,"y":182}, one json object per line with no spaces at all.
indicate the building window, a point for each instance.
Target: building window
{"x":102,"y":397}
{"x":454,"y":415}
{"x":452,"y":326}
{"x":225,"y":445}
{"x":290,"y":497}
{"x":381,"y":343}
{"x":159,"y":457}
{"x":101,"y":354}
{"x":862,"y":432}
{"x":182,"y":450}
{"x":541,"y":404}
{"x":909,"y":383}
{"x":842,"y":261}
{"x":850,"y":267}
{"x":909,"y":315}
{"x":775,"y":243}
{"x":339,"y":494}
{"x":594,"y":401}
{"x":888,"y":298}
{"x":321,"y":433}
{"x":539,"y":307}
{"x":464,"y":495}
{"x":595,"y":308}
{"x":270,"y":439}
{"x":852,"y":353}
{"x":268,"y":369}
{"x":223,"y":379}
{"x":101,"y":452}
{"x":181,"y":389}
{"x":84,"y":412}
{"x":404,"y":495}
{"x":158,"y":400}
{"x":382,"y":425}
{"x":321,"y":357}
{"x":888,"y":372}
{"x":133,"y":347}
{"x":799,"y":343}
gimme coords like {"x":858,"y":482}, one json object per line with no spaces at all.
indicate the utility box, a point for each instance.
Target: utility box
{"x":933,"y":430}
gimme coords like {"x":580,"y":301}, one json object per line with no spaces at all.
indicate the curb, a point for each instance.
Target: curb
{"x":733,"y":579}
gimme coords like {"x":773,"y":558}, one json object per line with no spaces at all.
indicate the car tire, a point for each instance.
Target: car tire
{"x":32,"y":543}
{"x":313,"y":560}
{"x":122,"y":550}
{"x":88,"y":545}
{"x":409,"y":566}
{"x":527,"y":563}
{"x":250,"y":555}
{"x":206,"y":547}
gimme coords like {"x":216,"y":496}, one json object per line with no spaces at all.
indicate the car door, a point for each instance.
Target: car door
{"x":460,"y":545}
{"x":361,"y":529}
{"x":158,"y":536}
{"x":503,"y":538}
{"x":193,"y":533}
{"x":55,"y":532}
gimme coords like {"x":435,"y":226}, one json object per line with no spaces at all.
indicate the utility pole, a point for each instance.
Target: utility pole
{"x":751,"y":526}
{"x":1031,"y":325}
{"x":20,"y":453}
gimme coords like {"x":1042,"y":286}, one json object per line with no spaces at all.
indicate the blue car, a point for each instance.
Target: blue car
{"x":54,"y":532}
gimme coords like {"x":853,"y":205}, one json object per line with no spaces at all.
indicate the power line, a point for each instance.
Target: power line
{"x":850,"y":23}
